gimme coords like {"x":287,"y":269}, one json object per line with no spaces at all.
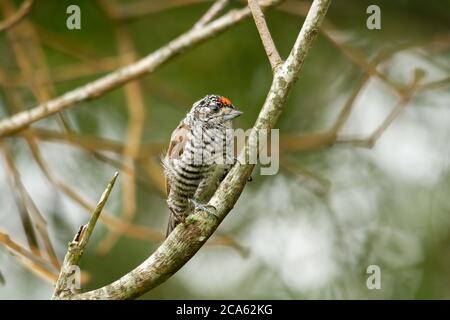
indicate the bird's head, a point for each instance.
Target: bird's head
{"x":214,"y":110}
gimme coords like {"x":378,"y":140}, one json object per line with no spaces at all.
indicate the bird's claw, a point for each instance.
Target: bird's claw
{"x":236,"y":160}
{"x":204,"y":207}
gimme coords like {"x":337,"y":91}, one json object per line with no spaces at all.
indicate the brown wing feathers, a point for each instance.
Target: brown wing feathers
{"x":178,"y":140}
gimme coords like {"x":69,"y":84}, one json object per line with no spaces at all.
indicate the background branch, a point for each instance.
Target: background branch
{"x":29,"y":260}
{"x":136,"y":121}
{"x":212,"y":12}
{"x":118,"y":78}
{"x":34,"y":223}
{"x":11,"y":21}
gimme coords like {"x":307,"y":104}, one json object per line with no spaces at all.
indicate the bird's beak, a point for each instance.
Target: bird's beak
{"x":231,"y":114}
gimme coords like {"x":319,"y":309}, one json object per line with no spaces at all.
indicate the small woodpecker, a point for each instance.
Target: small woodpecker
{"x":199,"y":156}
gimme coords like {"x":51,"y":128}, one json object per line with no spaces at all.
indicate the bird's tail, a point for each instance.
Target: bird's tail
{"x":173,"y":222}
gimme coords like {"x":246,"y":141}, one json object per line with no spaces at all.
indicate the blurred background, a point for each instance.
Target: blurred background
{"x":364,"y":150}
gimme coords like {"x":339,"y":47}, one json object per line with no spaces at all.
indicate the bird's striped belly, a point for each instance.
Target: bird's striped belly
{"x":184,"y":182}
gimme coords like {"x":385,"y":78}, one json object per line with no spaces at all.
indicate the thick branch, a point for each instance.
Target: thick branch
{"x":115,"y":79}
{"x":271,"y":50}
{"x":189,"y":237}
{"x":63,"y":286}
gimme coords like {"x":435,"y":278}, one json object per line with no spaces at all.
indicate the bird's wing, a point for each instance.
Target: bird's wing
{"x":176,"y":146}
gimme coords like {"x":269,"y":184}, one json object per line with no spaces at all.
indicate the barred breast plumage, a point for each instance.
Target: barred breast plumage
{"x":199,"y":156}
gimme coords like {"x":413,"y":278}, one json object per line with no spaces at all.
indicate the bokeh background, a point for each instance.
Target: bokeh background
{"x":339,"y":202}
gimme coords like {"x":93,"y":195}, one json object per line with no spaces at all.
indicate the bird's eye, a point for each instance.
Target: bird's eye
{"x":214,"y":107}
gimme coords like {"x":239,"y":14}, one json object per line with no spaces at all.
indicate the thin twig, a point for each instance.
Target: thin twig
{"x":306,"y":142}
{"x":212,"y":12}
{"x":320,"y":186}
{"x":370,"y":141}
{"x":90,"y":143}
{"x":345,"y":111}
{"x":271,"y":50}
{"x":76,"y":247}
{"x":30,"y":57}
{"x":60,"y":42}
{"x":36,"y":220}
{"x":434,"y":84}
{"x":33,"y":263}
{"x":318,"y":140}
{"x":11,"y":21}
{"x":24,"y":214}
{"x":39,"y":223}
{"x":139,"y":9}
{"x":354,"y":54}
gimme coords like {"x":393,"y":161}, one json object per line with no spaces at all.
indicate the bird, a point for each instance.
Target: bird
{"x":199,"y":156}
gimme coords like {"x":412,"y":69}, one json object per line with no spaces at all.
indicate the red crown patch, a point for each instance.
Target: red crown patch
{"x":225,"y":101}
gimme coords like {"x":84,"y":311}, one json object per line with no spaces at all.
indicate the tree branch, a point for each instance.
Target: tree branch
{"x":76,"y":247}
{"x":408,"y":95}
{"x":34,"y":223}
{"x":271,"y":50}
{"x":211,"y":13}
{"x":24,"y":9}
{"x":187,"y":238}
{"x":128,"y":73}
{"x":34,"y":263}
{"x":136,"y":122}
